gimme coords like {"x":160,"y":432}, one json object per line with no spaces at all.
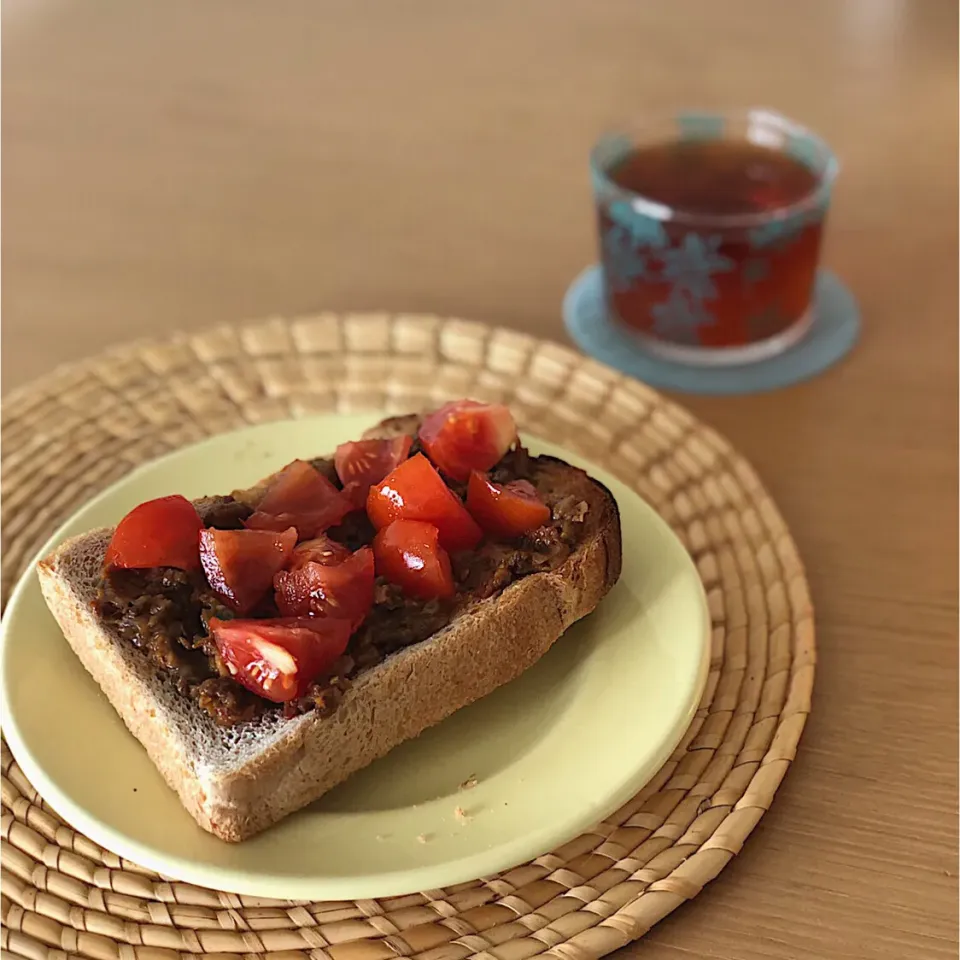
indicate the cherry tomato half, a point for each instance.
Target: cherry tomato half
{"x":241,"y":564}
{"x":302,"y":497}
{"x":467,"y":435}
{"x":362,"y":463}
{"x":343,"y":591}
{"x":408,"y":553}
{"x":415,"y":491}
{"x":320,"y":550}
{"x":278,"y":659}
{"x":159,"y":533}
{"x":507,"y":511}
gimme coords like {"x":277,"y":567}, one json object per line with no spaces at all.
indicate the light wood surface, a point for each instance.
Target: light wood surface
{"x":175,"y":164}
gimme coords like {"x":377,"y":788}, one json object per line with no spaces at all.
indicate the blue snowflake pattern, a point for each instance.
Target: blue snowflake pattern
{"x":691,"y":265}
{"x":623,"y":262}
{"x":645,"y":231}
{"x":680,"y":317}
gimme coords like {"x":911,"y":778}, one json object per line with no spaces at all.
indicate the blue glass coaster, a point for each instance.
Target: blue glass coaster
{"x":832,"y":334}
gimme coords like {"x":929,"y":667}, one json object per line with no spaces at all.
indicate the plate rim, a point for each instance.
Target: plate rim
{"x":326,"y":887}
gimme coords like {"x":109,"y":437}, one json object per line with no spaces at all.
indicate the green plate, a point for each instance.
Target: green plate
{"x":553,"y":753}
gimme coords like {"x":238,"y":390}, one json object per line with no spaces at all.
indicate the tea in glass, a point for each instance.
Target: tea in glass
{"x":710,"y":231}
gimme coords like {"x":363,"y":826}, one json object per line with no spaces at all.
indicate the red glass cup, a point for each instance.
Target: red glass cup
{"x":711,"y":286}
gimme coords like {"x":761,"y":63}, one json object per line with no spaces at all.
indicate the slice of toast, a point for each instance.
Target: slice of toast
{"x":236,"y":781}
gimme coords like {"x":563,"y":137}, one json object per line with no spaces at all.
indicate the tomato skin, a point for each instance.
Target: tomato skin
{"x":341,"y":591}
{"x":320,"y":550}
{"x":363,"y":463}
{"x":467,"y":435}
{"x":408,"y":553}
{"x":415,"y":491}
{"x":508,"y":511}
{"x":241,"y":564}
{"x":302,"y":497}
{"x":278,"y":659}
{"x":159,"y":533}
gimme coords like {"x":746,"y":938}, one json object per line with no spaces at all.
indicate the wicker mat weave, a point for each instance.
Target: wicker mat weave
{"x":79,"y":429}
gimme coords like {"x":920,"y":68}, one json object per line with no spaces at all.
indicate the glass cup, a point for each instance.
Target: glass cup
{"x":696,"y":282}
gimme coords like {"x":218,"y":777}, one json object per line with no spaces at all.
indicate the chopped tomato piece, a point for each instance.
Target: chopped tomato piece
{"x":467,"y":435}
{"x":409,"y":554}
{"x":343,"y":591}
{"x":320,"y":550}
{"x":506,"y":511}
{"x":302,"y":497}
{"x":159,"y":533}
{"x":278,"y":659}
{"x":241,"y":564}
{"x":363,"y":463}
{"x":415,"y":491}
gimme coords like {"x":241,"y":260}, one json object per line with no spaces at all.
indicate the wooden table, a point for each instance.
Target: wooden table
{"x":174,"y":164}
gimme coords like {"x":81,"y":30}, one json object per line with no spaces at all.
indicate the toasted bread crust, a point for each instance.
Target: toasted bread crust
{"x":102,"y":655}
{"x":493,"y":642}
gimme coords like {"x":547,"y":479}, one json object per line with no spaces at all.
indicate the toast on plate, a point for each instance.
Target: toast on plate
{"x":256,"y":682}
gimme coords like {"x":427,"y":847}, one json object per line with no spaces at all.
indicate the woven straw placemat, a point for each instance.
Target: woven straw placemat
{"x":79,"y":429}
